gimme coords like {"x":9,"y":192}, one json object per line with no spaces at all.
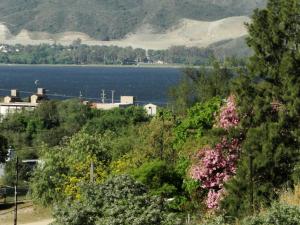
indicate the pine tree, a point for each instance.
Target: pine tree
{"x":269,"y":103}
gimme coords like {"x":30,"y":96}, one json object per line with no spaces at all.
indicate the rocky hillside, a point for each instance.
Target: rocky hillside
{"x":114,"y":19}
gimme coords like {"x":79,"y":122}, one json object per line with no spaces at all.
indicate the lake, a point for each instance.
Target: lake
{"x":61,"y":82}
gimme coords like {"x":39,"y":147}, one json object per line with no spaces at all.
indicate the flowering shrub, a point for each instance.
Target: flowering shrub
{"x":213,"y":198}
{"x":228,"y":114}
{"x":215,"y":166}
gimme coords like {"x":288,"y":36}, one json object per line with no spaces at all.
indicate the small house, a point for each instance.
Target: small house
{"x":151,"y":109}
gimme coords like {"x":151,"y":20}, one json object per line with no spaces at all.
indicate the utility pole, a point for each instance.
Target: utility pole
{"x":10,"y":156}
{"x":161,"y":115}
{"x":251,"y":182}
{"x":112,"y":96}
{"x":16,"y":192}
{"x":92,"y":172}
{"x":103,"y":96}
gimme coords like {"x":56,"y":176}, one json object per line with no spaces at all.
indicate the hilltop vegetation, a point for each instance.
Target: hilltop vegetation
{"x":113,"y":19}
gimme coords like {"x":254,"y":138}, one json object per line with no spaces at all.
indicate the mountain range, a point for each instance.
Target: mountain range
{"x":125,"y":22}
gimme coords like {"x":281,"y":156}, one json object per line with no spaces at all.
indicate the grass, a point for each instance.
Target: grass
{"x":291,"y":197}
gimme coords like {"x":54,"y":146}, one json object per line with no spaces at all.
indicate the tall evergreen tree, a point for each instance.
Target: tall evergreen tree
{"x":269,"y":101}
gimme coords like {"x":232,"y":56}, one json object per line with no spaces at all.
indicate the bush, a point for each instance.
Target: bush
{"x":120,"y":200}
{"x":278,"y":214}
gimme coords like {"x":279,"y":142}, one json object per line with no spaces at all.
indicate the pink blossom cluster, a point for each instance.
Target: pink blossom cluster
{"x":214,"y":167}
{"x":228,"y":114}
{"x":213,"y":198}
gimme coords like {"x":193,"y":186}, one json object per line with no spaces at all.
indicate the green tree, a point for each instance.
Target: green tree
{"x":120,"y":200}
{"x":64,"y":167}
{"x":269,"y":101}
{"x":160,"y":178}
{"x":200,"y":118}
{"x":200,"y":85}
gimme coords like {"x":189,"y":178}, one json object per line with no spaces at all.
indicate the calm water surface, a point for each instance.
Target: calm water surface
{"x":147,"y":84}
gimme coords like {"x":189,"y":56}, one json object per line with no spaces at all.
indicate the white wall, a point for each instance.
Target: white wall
{"x":151,"y":109}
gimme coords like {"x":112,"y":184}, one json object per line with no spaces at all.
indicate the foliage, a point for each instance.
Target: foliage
{"x":47,"y":184}
{"x":81,"y":54}
{"x":200,"y":85}
{"x":215,"y":220}
{"x":199,"y":118}
{"x":228,"y":114}
{"x":159,"y":177}
{"x":268,"y":100}
{"x":65,"y":167}
{"x":113,"y":120}
{"x":49,"y":123}
{"x":120,"y":200}
{"x":214,"y":168}
{"x":277,"y":214}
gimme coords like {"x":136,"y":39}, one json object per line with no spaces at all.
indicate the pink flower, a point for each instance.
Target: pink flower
{"x":213,"y":198}
{"x":228,"y":114}
{"x":214,"y":167}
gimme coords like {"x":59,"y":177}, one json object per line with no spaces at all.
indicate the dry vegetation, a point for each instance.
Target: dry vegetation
{"x":291,"y":197}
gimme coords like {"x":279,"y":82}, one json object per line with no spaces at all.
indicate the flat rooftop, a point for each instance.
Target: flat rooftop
{"x":21,"y":104}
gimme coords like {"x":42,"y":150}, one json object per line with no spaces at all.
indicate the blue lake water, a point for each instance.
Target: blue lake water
{"x":147,"y":84}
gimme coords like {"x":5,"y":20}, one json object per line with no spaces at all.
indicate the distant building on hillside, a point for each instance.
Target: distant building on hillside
{"x":14,"y":103}
{"x":125,"y":101}
{"x":151,"y":109}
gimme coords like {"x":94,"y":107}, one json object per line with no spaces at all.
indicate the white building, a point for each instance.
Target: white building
{"x":7,"y":108}
{"x":151,"y":109}
{"x":14,"y":103}
{"x":125,"y":101}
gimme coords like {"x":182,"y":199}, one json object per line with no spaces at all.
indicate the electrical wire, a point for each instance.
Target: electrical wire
{"x":88,"y":98}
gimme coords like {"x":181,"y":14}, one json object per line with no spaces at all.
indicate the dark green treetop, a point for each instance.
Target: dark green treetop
{"x":269,"y":102}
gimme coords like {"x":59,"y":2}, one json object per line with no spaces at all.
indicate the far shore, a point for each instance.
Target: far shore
{"x":144,"y":65}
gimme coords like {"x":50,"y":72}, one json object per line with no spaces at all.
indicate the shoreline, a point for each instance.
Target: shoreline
{"x":158,"y":66}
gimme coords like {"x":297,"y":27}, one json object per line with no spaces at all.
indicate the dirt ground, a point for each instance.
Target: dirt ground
{"x":27,"y":215}
{"x":42,"y":222}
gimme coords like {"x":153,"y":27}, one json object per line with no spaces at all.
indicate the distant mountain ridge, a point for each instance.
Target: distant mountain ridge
{"x":114,"y":19}
{"x":189,"y":33}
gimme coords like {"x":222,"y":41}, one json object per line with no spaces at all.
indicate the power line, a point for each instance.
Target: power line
{"x":103,"y":96}
{"x":49,"y":94}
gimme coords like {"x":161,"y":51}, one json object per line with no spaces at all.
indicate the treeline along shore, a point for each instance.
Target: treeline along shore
{"x":79,"y":54}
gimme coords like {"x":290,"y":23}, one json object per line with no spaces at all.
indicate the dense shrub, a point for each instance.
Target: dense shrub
{"x":278,"y":214}
{"x":120,"y":200}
